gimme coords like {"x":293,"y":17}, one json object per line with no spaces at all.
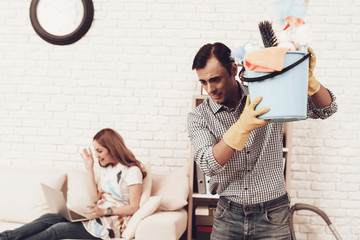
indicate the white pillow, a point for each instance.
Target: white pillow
{"x":147,"y":209}
{"x":78,"y":196}
{"x":146,"y":185}
{"x":23,"y":199}
{"x":173,"y":189}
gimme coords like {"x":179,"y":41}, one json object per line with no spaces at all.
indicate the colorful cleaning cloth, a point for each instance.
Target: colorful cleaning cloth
{"x":266,"y":60}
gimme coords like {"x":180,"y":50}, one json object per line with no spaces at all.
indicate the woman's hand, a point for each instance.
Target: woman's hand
{"x":95,"y":211}
{"x":88,"y":159}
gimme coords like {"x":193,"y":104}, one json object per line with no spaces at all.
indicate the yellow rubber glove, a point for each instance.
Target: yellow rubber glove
{"x":237,"y":135}
{"x":313,"y":84}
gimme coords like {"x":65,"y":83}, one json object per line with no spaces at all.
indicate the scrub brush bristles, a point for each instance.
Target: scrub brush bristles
{"x":267,"y":34}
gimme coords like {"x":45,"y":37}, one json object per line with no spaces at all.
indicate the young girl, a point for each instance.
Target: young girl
{"x":116,"y":193}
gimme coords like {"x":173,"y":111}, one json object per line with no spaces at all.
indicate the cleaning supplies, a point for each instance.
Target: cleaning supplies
{"x":280,"y":71}
{"x":284,"y":92}
{"x":292,"y":13}
{"x":267,"y":34}
{"x":266,"y":60}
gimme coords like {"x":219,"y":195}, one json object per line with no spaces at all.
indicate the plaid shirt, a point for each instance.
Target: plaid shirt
{"x":254,"y":174}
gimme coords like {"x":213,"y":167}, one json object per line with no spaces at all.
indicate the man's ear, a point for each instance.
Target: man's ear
{"x":234,"y":69}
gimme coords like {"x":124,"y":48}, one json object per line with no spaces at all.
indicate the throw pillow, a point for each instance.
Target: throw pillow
{"x":78,"y":197}
{"x":173,"y":189}
{"x":146,"y":185}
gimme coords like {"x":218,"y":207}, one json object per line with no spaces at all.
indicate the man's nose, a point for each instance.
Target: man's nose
{"x":210,"y":88}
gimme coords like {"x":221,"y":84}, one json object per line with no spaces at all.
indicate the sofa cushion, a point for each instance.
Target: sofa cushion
{"x":162,"y":225}
{"x":23,"y":199}
{"x":173,"y":189}
{"x":147,"y":209}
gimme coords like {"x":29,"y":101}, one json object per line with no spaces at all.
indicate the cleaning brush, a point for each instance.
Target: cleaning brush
{"x":267,"y":34}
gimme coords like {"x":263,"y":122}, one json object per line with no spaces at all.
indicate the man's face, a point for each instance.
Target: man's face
{"x":216,"y":81}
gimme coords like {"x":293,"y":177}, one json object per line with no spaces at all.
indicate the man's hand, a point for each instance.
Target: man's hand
{"x":313,"y":84}
{"x":239,"y":132}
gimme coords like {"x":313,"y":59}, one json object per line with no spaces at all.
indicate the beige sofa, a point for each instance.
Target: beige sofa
{"x":162,"y":213}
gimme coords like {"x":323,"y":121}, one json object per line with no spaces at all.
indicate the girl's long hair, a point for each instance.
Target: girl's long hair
{"x":114,"y":143}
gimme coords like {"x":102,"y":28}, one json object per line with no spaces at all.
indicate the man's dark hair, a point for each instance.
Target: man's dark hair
{"x":219,"y":50}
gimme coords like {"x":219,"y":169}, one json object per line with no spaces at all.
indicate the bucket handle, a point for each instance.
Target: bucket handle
{"x":273,"y":74}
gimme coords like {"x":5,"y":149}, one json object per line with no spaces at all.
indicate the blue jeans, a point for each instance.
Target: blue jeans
{"x":48,"y":227}
{"x":265,"y":221}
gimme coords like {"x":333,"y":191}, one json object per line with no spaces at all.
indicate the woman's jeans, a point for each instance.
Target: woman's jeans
{"x":265,"y":221}
{"x":48,"y":227}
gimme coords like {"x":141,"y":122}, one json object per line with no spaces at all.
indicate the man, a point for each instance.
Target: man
{"x":242,"y":153}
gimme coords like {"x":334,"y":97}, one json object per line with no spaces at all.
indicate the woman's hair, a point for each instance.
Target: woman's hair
{"x":219,"y":50}
{"x":114,"y":143}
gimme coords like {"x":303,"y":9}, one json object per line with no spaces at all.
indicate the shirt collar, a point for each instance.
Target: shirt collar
{"x":216,"y":107}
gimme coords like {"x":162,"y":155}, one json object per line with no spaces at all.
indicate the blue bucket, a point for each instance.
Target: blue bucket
{"x":284,"y":92}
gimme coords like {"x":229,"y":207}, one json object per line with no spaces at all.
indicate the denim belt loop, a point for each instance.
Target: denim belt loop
{"x":262,"y":208}
{"x":228,"y":204}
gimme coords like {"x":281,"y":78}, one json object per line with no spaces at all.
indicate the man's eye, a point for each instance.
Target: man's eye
{"x":215,"y":80}
{"x":203,"y":82}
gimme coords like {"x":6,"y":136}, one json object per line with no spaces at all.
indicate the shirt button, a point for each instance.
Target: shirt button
{"x":246,"y":188}
{"x":248,"y":152}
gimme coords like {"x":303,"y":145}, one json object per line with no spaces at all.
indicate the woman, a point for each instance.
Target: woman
{"x":116,"y":193}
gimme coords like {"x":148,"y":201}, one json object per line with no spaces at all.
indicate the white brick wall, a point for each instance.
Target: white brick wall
{"x":132,"y":72}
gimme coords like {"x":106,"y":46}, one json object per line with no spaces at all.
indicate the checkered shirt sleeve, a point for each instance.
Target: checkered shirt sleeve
{"x":322,"y":112}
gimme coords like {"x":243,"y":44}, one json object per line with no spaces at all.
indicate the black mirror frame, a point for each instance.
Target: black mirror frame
{"x":70,"y":38}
